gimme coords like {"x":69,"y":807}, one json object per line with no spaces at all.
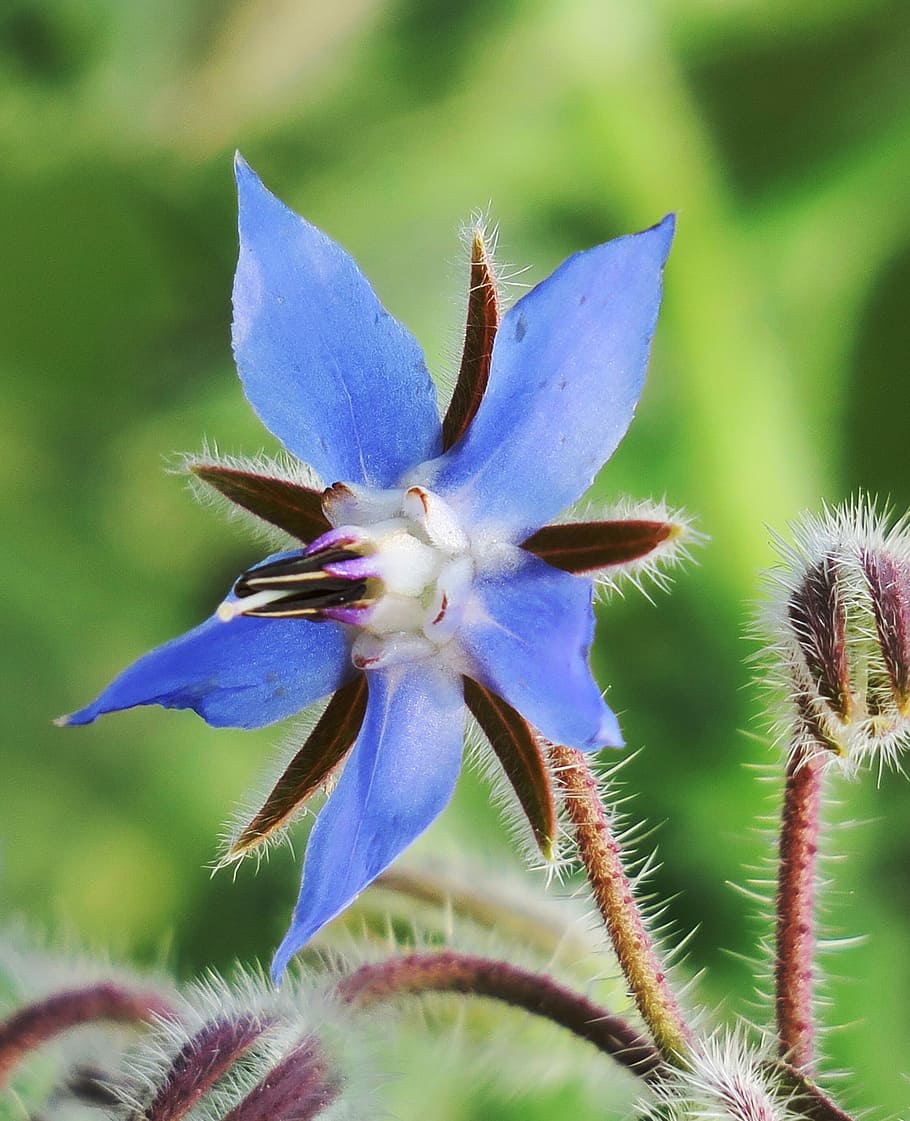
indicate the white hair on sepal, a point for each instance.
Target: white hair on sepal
{"x":284,"y":466}
{"x":730,"y":1077}
{"x":504,"y":276}
{"x":452,"y":347}
{"x":302,"y":1010}
{"x":876,"y":727}
{"x":653,"y":569}
{"x":296,"y":735}
{"x":480,"y":755}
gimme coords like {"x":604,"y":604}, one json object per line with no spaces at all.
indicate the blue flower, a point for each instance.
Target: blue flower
{"x":429,"y":577}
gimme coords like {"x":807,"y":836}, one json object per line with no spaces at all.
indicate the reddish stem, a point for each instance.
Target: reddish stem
{"x":37,"y":1023}
{"x":200,"y":1062}
{"x":600,"y":854}
{"x":804,"y":1097}
{"x":798,"y":855}
{"x":450,"y":971}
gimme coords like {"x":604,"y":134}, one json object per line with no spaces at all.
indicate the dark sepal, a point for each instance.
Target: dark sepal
{"x":522,"y":758}
{"x":586,"y":546}
{"x":480,"y":331}
{"x":888,"y":588}
{"x":326,"y":746}
{"x":289,"y":506}
{"x":818,"y":618}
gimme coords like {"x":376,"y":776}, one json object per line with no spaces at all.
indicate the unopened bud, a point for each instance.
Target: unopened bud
{"x":727,"y":1080}
{"x":297,"y":1088}
{"x":840,"y":627}
{"x":243,"y":1052}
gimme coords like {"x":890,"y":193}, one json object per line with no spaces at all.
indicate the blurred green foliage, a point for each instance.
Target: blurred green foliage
{"x":780,"y":132}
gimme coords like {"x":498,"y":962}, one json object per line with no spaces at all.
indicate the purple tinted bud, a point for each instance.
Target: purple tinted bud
{"x":889,"y":588}
{"x":818,"y":620}
{"x":200,"y":1062}
{"x":840,"y":627}
{"x":298,"y":1088}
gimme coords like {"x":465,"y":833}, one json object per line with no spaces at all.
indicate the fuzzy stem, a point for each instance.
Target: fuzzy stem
{"x":37,"y":1023}
{"x":200,"y":1062}
{"x":804,"y":1097}
{"x":600,"y":854}
{"x":793,"y":970}
{"x":449,"y":971}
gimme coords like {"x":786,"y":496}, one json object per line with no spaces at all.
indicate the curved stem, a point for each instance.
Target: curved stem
{"x":449,"y":971}
{"x":793,"y":970}
{"x":600,"y":854}
{"x":37,"y":1023}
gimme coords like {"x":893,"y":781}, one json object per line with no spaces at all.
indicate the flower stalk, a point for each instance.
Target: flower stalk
{"x":795,"y":941}
{"x":600,"y":854}
{"x":453,"y":972}
{"x":38,"y":1023}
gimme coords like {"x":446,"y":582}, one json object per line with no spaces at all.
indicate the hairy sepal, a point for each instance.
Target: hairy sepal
{"x":275,"y":498}
{"x":519,"y":750}
{"x":308,"y":771}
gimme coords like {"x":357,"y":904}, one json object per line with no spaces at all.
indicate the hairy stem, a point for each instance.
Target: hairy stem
{"x":798,"y":854}
{"x":200,"y":1062}
{"x":37,"y":1023}
{"x":805,"y":1098}
{"x":600,"y":854}
{"x":449,"y":971}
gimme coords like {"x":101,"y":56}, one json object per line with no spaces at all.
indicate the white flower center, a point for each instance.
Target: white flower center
{"x":420,"y":558}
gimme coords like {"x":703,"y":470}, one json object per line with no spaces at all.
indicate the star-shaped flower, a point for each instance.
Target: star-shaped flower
{"x":429,"y":578}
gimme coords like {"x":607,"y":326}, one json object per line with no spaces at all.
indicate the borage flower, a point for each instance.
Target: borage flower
{"x":426,"y":581}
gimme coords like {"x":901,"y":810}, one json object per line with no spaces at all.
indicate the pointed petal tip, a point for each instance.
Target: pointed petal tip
{"x":251,"y":188}
{"x":278,"y":966}
{"x":292,"y":943}
{"x":663,"y":232}
{"x":78,"y":718}
{"x":242,"y":169}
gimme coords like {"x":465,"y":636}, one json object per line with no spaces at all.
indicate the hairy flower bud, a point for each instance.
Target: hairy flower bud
{"x":839,"y":625}
{"x":727,"y":1081}
{"x":243,"y":1052}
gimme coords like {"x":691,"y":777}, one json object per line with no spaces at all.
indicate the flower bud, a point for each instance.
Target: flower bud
{"x":243,"y":1052}
{"x":727,"y":1081}
{"x":839,"y":625}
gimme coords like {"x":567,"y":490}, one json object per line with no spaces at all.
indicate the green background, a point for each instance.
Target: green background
{"x":779,"y":132}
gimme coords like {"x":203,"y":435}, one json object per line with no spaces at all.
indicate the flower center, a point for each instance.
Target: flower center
{"x":397,"y":566}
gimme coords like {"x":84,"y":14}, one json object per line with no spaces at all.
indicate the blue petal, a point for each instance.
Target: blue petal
{"x":339,"y":381}
{"x":239,"y":674}
{"x":528,"y":634}
{"x":398,"y":778}
{"x":568,"y":366}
